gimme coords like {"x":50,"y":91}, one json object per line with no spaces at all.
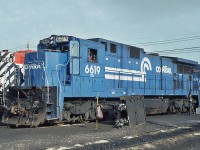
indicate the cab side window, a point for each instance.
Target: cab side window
{"x":92,"y":55}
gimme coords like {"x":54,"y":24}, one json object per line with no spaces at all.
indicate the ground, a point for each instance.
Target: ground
{"x":159,"y":132}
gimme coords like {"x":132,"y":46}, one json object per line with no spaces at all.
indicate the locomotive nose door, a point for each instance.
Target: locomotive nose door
{"x":74,"y":57}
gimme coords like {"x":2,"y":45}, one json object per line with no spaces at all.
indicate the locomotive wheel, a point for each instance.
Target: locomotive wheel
{"x":82,"y":118}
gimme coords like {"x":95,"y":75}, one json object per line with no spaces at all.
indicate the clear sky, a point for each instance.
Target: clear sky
{"x":171,"y":24}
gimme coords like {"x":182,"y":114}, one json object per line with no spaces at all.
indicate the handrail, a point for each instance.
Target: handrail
{"x":58,"y":74}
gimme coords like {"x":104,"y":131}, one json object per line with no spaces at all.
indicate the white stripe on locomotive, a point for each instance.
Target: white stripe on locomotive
{"x":124,"y":74}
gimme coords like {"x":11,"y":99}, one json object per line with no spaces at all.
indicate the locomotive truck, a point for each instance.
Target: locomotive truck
{"x":66,"y":75}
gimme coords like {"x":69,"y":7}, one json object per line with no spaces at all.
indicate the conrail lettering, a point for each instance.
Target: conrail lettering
{"x":164,"y":69}
{"x":32,"y":66}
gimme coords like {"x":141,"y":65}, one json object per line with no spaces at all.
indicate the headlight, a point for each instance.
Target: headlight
{"x":51,"y":39}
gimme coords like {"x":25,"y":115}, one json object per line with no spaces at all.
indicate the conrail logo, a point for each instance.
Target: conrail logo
{"x":145,"y":65}
{"x":32,"y":66}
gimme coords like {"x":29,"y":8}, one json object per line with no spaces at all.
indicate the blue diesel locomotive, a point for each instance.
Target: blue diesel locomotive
{"x":66,"y":76}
